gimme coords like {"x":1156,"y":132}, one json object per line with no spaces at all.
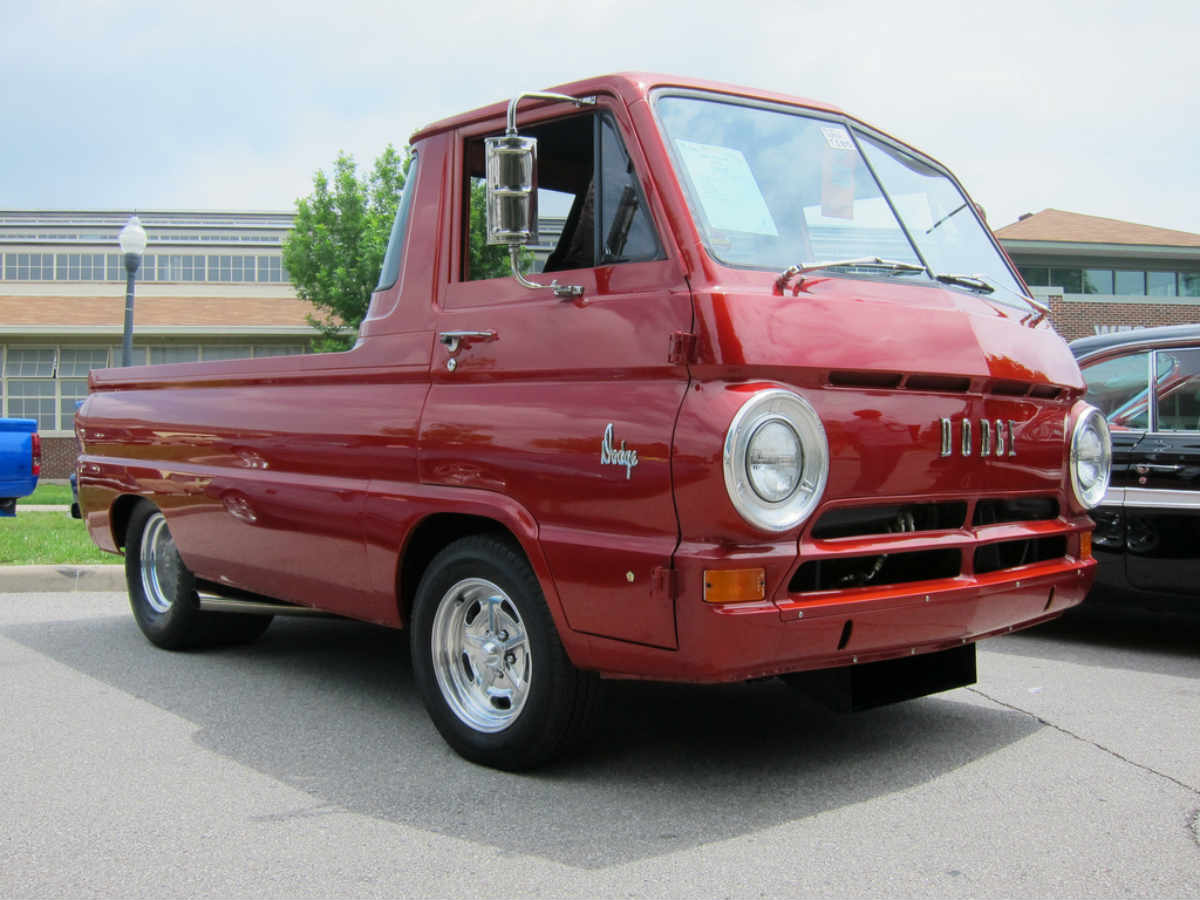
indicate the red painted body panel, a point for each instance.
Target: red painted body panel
{"x":313,"y":478}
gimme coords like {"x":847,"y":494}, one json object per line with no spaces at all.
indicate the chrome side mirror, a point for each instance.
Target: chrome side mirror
{"x":511,"y":163}
{"x":511,"y":189}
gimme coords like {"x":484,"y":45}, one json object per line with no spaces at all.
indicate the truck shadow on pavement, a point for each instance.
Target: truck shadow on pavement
{"x":330,"y":709}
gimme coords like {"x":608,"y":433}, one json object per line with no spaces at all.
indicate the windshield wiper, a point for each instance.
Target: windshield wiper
{"x":949,"y":215}
{"x":865,"y":262}
{"x":978,"y":283}
{"x":974,"y":282}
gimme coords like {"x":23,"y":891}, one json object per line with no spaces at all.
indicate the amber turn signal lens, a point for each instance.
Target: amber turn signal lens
{"x":1085,"y":545}
{"x":734,"y":585}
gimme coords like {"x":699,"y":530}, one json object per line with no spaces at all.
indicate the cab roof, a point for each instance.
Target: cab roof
{"x":629,"y":86}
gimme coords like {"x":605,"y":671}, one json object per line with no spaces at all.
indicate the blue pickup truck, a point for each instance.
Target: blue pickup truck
{"x":20,"y":462}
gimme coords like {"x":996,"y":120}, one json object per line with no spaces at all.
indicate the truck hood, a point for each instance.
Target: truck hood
{"x":879,"y":334}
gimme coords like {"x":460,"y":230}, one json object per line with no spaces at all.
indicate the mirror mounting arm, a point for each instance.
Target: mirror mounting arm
{"x":511,"y":163}
{"x":511,"y":128}
{"x":565,"y":291}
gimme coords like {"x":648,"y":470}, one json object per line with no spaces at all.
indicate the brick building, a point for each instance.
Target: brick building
{"x":211,"y":286}
{"x":1102,"y":274}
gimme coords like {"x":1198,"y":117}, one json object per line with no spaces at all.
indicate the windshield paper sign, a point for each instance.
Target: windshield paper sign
{"x":726,"y":188}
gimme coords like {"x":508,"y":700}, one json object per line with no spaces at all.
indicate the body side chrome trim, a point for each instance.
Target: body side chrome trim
{"x":1151,"y":498}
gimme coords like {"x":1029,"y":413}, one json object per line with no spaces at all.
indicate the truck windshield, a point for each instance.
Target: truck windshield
{"x":770,"y":188}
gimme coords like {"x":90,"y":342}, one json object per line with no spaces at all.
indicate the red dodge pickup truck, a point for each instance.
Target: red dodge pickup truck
{"x":776,"y":403}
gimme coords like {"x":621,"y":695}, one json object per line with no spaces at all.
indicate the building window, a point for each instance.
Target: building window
{"x":179,"y":267}
{"x":1130,"y":284}
{"x":79,"y":267}
{"x":239,"y":351}
{"x":1160,"y":284}
{"x":1189,"y":284}
{"x":1097,"y":281}
{"x":29,"y":267}
{"x":1035,"y":276}
{"x":1070,"y":280}
{"x":30,"y":362}
{"x":159,"y":355}
{"x":136,"y":358}
{"x":30,"y":398}
{"x":71,"y":391}
{"x":78,"y":361}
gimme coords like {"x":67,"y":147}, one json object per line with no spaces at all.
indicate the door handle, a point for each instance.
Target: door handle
{"x":454,"y":340}
{"x":1147,"y":468}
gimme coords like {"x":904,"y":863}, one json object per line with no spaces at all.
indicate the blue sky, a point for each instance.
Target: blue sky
{"x":1084,"y":106}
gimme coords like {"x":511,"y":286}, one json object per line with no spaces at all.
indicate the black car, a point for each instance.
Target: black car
{"x":1147,"y":540}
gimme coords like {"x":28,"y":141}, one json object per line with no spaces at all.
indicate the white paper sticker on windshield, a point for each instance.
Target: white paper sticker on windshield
{"x":727,"y":189}
{"x":837,"y":137}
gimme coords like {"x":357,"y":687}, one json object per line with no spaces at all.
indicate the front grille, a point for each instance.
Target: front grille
{"x":849,"y":546}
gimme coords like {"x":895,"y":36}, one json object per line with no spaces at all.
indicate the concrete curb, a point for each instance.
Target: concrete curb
{"x":36,"y":579}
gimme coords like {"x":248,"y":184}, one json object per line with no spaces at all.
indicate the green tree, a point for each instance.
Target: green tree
{"x":336,"y":247}
{"x":487,"y":260}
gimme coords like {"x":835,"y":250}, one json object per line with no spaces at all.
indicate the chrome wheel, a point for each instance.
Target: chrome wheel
{"x":481,"y":655}
{"x":160,"y":564}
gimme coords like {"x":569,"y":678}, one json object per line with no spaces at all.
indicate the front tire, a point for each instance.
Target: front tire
{"x":162,"y":591}
{"x":488,"y":661}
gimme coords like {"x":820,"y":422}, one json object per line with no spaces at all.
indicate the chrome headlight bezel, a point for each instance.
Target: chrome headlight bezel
{"x":1090,"y":419}
{"x":789,"y":408}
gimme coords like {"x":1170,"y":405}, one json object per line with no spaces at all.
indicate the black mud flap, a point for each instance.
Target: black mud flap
{"x":854,"y":688}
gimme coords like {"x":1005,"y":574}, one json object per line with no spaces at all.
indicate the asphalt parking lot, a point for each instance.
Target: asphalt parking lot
{"x":304,"y":765}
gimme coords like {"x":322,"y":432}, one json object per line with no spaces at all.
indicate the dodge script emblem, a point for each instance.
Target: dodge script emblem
{"x":998,"y":430}
{"x":617,"y":456}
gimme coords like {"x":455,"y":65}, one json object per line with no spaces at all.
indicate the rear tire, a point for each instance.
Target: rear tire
{"x":162,"y":591}
{"x":488,"y":661}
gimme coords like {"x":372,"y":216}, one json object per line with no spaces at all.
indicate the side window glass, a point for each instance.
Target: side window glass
{"x":626,"y":231}
{"x":591,"y":210}
{"x":1119,"y":388}
{"x":390,"y":271}
{"x":1177,"y":390}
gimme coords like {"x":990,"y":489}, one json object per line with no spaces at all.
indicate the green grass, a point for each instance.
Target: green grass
{"x":48,"y":495}
{"x":48,"y":538}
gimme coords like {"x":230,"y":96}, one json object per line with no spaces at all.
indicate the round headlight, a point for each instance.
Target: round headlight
{"x":1091,"y":457}
{"x":776,"y":460}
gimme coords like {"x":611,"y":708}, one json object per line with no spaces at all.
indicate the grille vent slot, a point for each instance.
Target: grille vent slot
{"x":875,"y":571}
{"x":1010,"y":554}
{"x":940,"y":384}
{"x":873,"y":380}
{"x":1020,"y":509}
{"x":859,"y":521}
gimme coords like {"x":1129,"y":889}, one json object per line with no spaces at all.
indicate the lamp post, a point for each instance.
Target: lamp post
{"x":133,"y":244}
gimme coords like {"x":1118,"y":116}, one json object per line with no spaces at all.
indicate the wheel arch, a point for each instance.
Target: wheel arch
{"x":438,"y":530}
{"x":120,"y":513}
